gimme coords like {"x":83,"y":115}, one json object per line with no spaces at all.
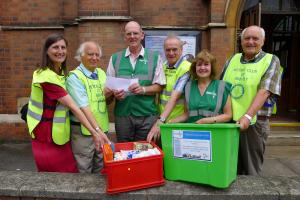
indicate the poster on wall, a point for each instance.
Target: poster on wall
{"x":154,"y":40}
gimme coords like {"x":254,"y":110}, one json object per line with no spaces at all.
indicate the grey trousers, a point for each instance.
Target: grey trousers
{"x":87,"y":158}
{"x":252,"y":148}
{"x":131,"y":128}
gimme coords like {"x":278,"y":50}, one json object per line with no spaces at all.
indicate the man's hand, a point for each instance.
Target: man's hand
{"x":100,"y":139}
{"x":109,"y":95}
{"x":154,"y":133}
{"x":108,"y":92}
{"x":136,"y":89}
{"x":119,"y":94}
{"x":244,"y":123}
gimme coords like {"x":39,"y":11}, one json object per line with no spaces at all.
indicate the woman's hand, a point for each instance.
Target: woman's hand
{"x":206,"y":120}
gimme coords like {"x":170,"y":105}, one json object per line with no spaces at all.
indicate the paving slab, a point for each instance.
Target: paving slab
{"x":32,"y":185}
{"x":280,"y":160}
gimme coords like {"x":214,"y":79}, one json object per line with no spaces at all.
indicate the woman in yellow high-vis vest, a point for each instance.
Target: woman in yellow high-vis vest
{"x":48,"y":111}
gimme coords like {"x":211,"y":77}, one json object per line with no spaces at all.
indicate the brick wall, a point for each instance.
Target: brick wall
{"x":169,"y":12}
{"x":108,"y":34}
{"x":218,"y":39}
{"x":11,"y":132}
{"x":17,"y":12}
{"x":20,"y":47}
{"x":70,"y":10}
{"x":217,"y":9}
{"x":103,"y":7}
{"x":21,"y":53}
{"x":18,"y":58}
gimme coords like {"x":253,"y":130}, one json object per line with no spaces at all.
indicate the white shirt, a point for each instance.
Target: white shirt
{"x":159,"y":75}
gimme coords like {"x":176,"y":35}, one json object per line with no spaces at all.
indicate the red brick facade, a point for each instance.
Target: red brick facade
{"x":25,"y":25}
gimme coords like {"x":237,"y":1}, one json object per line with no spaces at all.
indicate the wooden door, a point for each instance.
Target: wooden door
{"x":251,"y":16}
{"x":295,"y":79}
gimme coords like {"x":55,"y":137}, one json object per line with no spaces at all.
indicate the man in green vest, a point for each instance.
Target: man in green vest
{"x":255,"y":76}
{"x":175,"y":67}
{"x":135,"y":110}
{"x":86,"y":86}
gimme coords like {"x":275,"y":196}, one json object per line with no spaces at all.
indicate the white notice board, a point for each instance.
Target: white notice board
{"x":154,"y":40}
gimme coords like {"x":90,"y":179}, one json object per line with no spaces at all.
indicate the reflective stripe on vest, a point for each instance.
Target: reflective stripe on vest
{"x":39,"y":117}
{"x":179,"y":101}
{"x":172,"y":76}
{"x":60,"y":121}
{"x":206,"y":113}
{"x":41,"y":106}
{"x":166,"y":93}
{"x":97,"y":102}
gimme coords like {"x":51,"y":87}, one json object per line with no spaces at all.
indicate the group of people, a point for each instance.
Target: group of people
{"x":68,"y":117}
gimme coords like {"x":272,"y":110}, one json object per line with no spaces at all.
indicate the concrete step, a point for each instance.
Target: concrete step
{"x":284,"y":138}
{"x":284,"y":133}
{"x":285,"y":126}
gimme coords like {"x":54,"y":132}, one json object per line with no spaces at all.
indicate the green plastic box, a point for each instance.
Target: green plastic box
{"x":201,"y":153}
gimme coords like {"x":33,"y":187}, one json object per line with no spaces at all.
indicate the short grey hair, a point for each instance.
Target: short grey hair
{"x":174,"y":36}
{"x":80,"y":50}
{"x":263,"y":34}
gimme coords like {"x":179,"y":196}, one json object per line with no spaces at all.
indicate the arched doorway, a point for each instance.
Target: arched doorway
{"x":281,"y":21}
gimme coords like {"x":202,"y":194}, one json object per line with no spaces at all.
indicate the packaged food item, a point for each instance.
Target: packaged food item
{"x":142,"y":146}
{"x":131,"y":154}
{"x":118,"y":156}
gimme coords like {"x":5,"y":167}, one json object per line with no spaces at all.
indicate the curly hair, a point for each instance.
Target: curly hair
{"x":204,"y":56}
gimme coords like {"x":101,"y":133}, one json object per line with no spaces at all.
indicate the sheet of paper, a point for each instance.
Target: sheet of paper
{"x":119,"y":83}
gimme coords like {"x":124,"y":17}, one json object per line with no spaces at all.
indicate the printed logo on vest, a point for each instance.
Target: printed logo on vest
{"x":212,"y":94}
{"x":144,"y":61}
{"x":237,"y":91}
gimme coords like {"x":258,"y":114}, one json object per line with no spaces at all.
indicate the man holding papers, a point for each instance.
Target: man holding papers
{"x":135,"y":110}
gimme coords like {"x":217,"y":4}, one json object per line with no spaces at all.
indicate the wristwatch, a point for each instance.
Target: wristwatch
{"x":162,"y":119}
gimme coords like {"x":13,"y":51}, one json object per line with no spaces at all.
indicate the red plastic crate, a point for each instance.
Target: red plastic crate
{"x":133,"y":174}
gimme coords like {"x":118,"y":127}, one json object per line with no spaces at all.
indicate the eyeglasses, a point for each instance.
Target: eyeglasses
{"x":132,"y":34}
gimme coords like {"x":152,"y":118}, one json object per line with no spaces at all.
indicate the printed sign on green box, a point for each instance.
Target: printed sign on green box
{"x":194,"y":145}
